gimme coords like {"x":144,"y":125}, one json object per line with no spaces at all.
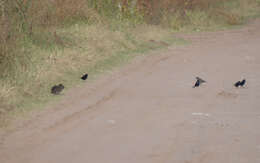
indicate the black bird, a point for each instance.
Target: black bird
{"x":57,"y":89}
{"x":84,"y":77}
{"x":237,"y":84}
{"x":240,"y":83}
{"x":243,"y":82}
{"x":198,"y":82}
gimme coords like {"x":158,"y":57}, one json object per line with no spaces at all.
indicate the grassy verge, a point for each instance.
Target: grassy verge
{"x":87,"y":48}
{"x":51,"y":52}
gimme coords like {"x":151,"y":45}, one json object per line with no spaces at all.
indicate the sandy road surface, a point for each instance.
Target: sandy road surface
{"x":148,"y":112}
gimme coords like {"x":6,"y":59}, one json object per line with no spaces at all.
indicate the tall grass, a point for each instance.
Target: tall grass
{"x":180,"y":14}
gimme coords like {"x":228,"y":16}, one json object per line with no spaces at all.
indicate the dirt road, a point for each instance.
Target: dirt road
{"x":148,"y":112}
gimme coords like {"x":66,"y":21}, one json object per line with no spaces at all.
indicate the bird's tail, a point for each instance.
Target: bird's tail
{"x":201,"y":80}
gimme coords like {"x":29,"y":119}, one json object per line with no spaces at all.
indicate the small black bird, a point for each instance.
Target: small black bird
{"x":198,"y":82}
{"x":240,"y":83}
{"x":243,"y":82}
{"x":57,"y":89}
{"x":84,"y":77}
{"x":237,"y":84}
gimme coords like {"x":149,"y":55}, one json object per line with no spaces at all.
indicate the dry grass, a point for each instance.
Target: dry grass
{"x":208,"y":15}
{"x":86,"y":47}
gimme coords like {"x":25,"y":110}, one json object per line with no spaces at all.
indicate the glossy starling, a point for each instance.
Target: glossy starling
{"x":84,"y":77}
{"x":240,"y":83}
{"x":243,"y":82}
{"x":198,"y":82}
{"x":237,"y":84}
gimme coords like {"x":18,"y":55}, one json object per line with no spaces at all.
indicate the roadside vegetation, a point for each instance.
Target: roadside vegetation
{"x":48,"y":42}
